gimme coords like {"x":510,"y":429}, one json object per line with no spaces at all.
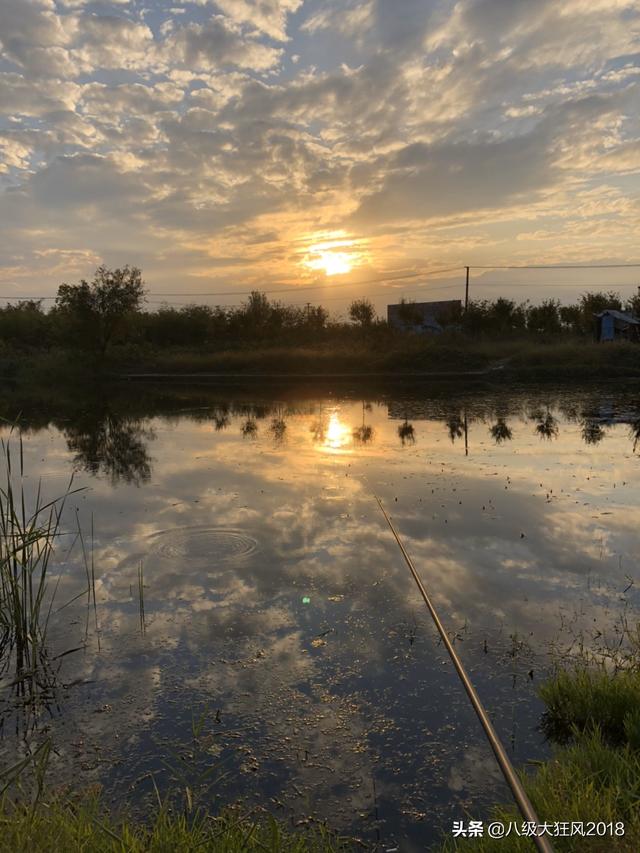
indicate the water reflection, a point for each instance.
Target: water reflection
{"x":547,"y":425}
{"x":221,"y":419}
{"x":455,"y":426}
{"x":364,"y":433}
{"x":273,"y":594}
{"x":592,"y":432}
{"x":406,"y":433}
{"x":107,"y":443}
{"x":336,"y":435}
{"x":250,"y":428}
{"x":501,"y":431}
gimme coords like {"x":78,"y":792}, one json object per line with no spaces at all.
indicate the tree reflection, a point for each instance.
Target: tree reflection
{"x":592,"y":432}
{"x":249,"y":428}
{"x":455,"y":426}
{"x":113,"y":445}
{"x":278,"y":427}
{"x":220,"y":418}
{"x":406,"y":433}
{"x":501,"y":431}
{"x":364,"y":433}
{"x":547,"y":426}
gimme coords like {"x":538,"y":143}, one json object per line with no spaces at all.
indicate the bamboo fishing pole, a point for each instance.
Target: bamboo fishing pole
{"x":508,"y":771}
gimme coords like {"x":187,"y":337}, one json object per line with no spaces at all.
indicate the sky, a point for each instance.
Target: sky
{"x":350,"y":147}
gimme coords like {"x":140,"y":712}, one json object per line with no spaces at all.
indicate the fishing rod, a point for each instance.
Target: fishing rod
{"x":508,"y":771}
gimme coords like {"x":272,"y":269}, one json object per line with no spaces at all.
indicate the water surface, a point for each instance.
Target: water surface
{"x":281,"y":654}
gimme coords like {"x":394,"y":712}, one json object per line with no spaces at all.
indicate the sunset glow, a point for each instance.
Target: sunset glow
{"x":336,"y":254}
{"x":223,"y":145}
{"x":337,"y":434}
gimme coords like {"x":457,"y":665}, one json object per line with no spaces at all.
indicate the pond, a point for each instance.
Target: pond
{"x":256,"y":635}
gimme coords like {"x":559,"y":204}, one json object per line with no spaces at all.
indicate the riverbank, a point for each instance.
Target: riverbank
{"x":411,"y":358}
{"x":64,"y":823}
{"x":588,"y":792}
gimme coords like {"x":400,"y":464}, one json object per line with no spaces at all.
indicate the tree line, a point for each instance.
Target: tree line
{"x":110,"y":309}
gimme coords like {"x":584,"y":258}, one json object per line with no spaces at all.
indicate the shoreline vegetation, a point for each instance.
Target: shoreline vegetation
{"x":102,"y":328}
{"x":592,"y":719}
{"x":593,"y":777}
{"x":63,"y":822}
{"x":445,"y":358}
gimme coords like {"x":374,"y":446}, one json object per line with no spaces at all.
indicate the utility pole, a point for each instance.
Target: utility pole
{"x":466,"y":292}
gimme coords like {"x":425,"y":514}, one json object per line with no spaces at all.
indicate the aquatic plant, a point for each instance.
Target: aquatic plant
{"x":28,"y":530}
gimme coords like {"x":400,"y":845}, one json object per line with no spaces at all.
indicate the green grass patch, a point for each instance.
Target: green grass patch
{"x":69,"y":825}
{"x":595,"y":776}
{"x":590,"y":699}
{"x":587,"y":781}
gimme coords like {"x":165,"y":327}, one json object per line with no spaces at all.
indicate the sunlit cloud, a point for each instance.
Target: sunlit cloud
{"x":335,"y":254}
{"x":246,"y":142}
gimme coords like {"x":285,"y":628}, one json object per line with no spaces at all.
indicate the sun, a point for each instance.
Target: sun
{"x":333,"y":263}
{"x":333,"y":253}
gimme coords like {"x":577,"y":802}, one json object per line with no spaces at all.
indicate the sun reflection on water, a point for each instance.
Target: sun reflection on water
{"x":337,"y":434}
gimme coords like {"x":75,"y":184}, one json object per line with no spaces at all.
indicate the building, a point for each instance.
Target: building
{"x":424,"y":317}
{"x":613,"y":325}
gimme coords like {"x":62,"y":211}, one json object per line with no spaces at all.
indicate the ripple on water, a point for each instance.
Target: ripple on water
{"x":220,"y":544}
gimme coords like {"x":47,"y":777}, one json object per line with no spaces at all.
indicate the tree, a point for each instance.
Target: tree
{"x":570,"y":317}
{"x":362,"y":311}
{"x":545,"y":318}
{"x":594,"y":303}
{"x":24,"y":324}
{"x":633,"y":303}
{"x":97,"y":310}
{"x":506,"y":316}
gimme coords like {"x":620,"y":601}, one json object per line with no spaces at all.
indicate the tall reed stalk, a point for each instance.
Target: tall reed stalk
{"x":28,"y":529}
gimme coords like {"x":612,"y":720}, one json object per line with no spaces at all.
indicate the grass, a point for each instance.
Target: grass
{"x":405,"y":354}
{"x":27,"y":537}
{"x":587,"y":781}
{"x":521,"y":357}
{"x":67,"y":824}
{"x":593,"y":699}
{"x":595,"y":776}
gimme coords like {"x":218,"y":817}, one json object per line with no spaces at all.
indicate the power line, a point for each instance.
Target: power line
{"x":556,"y":267}
{"x":24,"y":298}
{"x":389,"y":278}
{"x":559,"y":284}
{"x":295,"y":289}
{"x":291,"y":289}
{"x":429,"y":285}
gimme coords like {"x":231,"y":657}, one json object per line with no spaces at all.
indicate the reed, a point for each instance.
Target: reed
{"x":28,"y":530}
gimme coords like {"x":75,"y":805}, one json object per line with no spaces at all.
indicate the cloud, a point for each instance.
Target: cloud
{"x":268,"y":16}
{"x":217,"y":44}
{"x":34,"y":37}
{"x":446,"y":126}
